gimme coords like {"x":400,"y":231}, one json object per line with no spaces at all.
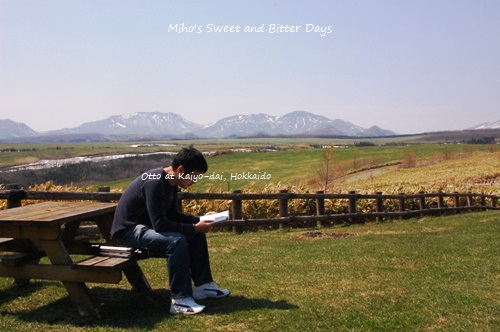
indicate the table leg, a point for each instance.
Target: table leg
{"x":70,"y":231}
{"x":22,"y":282}
{"x":77,"y":291}
{"x":23,"y":246}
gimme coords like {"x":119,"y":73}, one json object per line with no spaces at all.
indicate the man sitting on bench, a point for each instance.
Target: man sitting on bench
{"x":147,"y":217}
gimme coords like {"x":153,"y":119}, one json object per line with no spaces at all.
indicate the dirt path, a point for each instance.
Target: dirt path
{"x":368,"y":173}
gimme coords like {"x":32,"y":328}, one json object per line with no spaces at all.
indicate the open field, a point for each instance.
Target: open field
{"x":467,"y":166}
{"x":366,"y":170}
{"x":302,"y":165}
{"x":408,"y":168}
{"x":20,"y":153}
{"x":473,"y":172}
{"x":429,"y":274}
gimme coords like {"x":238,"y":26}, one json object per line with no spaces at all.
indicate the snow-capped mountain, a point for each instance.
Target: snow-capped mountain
{"x":172,"y":125}
{"x":142,"y":123}
{"x":10,"y":129}
{"x":301,"y":121}
{"x":294,"y":123}
{"x":488,"y":125}
{"x":240,"y":125}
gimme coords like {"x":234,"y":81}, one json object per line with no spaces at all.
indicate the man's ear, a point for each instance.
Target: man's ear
{"x":180,"y":170}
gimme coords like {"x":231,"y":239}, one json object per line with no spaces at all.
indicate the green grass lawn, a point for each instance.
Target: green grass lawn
{"x":428,"y":274}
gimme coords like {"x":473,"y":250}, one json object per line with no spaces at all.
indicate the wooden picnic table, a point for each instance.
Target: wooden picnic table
{"x":50,"y":229}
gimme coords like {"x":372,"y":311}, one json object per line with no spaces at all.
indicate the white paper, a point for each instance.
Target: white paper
{"x":216,"y":217}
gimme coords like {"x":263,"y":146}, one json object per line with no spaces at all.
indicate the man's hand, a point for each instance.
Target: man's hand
{"x":203,"y":226}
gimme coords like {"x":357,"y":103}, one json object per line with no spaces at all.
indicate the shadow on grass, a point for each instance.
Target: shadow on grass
{"x":14,"y":291}
{"x":122,"y":308}
{"x":235,"y":303}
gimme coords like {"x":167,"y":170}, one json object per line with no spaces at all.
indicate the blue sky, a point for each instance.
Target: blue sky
{"x":409,"y":66}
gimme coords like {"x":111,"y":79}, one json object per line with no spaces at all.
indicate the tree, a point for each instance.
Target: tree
{"x":327,"y":171}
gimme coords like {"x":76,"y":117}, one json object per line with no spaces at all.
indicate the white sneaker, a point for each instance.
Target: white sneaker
{"x":185,"y":305}
{"x":209,"y":290}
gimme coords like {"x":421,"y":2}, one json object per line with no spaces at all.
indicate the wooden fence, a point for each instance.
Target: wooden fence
{"x":407,"y":205}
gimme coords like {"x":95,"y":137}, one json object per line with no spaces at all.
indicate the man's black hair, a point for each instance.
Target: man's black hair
{"x":191,"y":159}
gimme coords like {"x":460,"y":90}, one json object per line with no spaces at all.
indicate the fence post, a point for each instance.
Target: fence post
{"x":457,"y":201}
{"x":421,"y":201}
{"x":236,"y":207}
{"x":352,"y":203}
{"x":320,"y":207}
{"x":16,"y":194}
{"x":103,"y":190}
{"x":379,"y":206}
{"x":470,"y":200}
{"x":483,"y":201}
{"x":402,"y":207}
{"x":493,"y":201}
{"x":283,"y":207}
{"x":179,"y":202}
{"x":440,"y":200}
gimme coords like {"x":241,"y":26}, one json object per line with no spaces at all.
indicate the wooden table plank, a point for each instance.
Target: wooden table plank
{"x":92,"y":261}
{"x":113,"y":262}
{"x":102,"y":263}
{"x":43,"y":212}
{"x":55,"y":212}
{"x":33,"y":211}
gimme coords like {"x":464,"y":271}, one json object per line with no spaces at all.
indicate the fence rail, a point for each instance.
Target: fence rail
{"x":421,"y":204}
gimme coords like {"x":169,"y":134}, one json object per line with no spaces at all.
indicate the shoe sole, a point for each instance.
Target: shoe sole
{"x":186,"y":312}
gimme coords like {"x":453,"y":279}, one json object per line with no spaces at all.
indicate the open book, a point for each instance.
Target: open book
{"x":221,"y":216}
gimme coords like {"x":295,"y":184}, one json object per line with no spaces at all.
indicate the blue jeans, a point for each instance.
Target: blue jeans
{"x":187,"y":257}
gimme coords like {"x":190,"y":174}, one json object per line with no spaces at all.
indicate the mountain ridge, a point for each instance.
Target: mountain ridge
{"x":487,"y":125}
{"x":173,"y":125}
{"x":11,"y":129}
{"x":159,"y":125}
{"x":150,"y":125}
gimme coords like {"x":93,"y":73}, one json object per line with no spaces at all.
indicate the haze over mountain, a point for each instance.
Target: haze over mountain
{"x":150,"y":125}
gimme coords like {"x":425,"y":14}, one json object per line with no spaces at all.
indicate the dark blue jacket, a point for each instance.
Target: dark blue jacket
{"x":150,"y":200}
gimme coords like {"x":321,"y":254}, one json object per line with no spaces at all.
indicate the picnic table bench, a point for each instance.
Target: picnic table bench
{"x":50,"y":229}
